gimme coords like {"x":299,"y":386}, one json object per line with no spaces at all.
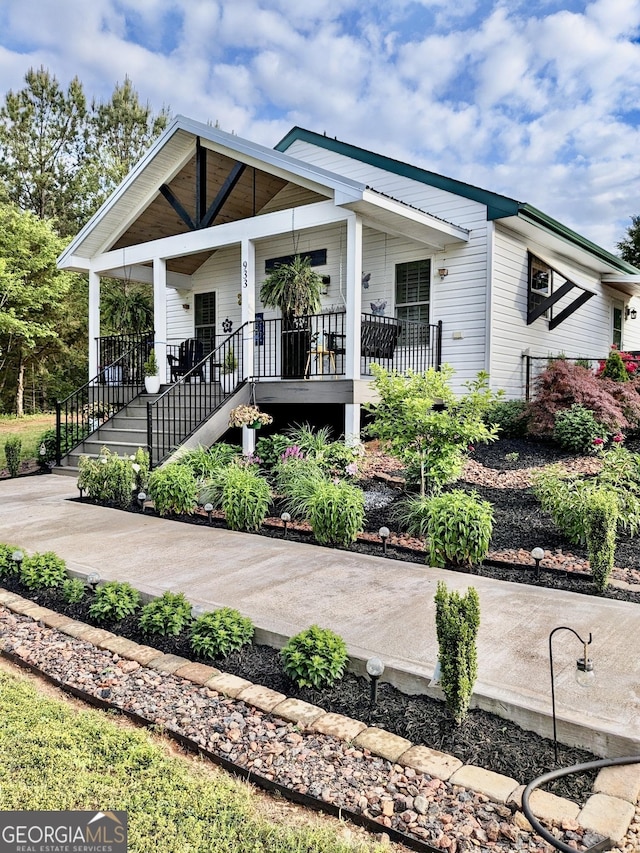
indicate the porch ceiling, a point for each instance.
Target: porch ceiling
{"x":254,"y":191}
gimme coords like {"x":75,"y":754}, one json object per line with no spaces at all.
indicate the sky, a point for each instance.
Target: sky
{"x":536,"y":99}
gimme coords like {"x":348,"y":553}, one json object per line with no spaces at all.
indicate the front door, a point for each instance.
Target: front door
{"x":205,"y":321}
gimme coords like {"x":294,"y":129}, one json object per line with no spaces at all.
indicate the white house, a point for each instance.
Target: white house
{"x":419,"y":269}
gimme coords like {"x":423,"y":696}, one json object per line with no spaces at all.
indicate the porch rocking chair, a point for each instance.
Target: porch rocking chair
{"x":191,"y":352}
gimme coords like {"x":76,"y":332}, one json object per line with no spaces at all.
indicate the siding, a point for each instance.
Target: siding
{"x":459,"y":300}
{"x":586,"y":333}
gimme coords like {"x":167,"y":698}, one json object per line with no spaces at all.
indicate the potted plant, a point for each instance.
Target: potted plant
{"x":295,"y":289}
{"x":228,"y":372}
{"x":249,"y":416}
{"x":151,"y":375}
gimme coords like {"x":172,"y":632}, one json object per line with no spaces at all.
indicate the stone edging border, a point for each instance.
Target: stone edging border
{"x":608,"y":811}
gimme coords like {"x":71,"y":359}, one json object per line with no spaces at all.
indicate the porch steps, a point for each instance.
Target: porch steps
{"x":123,"y":434}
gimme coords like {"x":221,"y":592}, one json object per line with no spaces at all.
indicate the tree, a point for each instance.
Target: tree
{"x":120,"y":131}
{"x":33,"y":296}
{"x":423,"y":423}
{"x":457,"y":624}
{"x":42,"y":162}
{"x":630,"y":246}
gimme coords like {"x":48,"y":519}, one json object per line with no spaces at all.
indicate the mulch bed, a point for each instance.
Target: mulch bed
{"x":484,"y":739}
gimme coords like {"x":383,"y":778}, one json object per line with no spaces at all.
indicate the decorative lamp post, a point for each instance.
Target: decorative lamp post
{"x":584,"y":675}
{"x":208,"y":508}
{"x":285,"y":518}
{"x":384,"y":533}
{"x":142,"y":496}
{"x":375,"y":668}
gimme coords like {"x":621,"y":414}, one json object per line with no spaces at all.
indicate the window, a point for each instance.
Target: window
{"x":618,"y":313}
{"x":205,"y":320}
{"x":540,"y":283}
{"x":413,"y":289}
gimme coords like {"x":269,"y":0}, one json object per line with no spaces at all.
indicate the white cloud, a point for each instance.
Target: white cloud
{"x":533,"y":99}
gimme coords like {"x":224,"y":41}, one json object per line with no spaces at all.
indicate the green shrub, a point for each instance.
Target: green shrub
{"x":269,"y":449}
{"x":621,"y":474}
{"x":316,"y":657}
{"x":459,"y":529}
{"x":166,"y":616}
{"x":614,"y":368}
{"x":43,"y":571}
{"x":335,"y":512}
{"x":109,"y":478}
{"x":221,"y":632}
{"x":601,"y":519}
{"x":246,"y":498}
{"x":206,"y":462}
{"x":576,"y":430}
{"x":509,"y":416}
{"x":457,"y":623}
{"x":73,"y":590}
{"x":113,"y":601}
{"x":173,"y":489}
{"x":12,"y":450}
{"x":140,"y":466}
{"x":412,"y":515}
{"x":8,"y":566}
{"x":293,"y":479}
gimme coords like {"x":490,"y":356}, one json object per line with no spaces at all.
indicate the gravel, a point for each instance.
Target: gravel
{"x":446,"y":816}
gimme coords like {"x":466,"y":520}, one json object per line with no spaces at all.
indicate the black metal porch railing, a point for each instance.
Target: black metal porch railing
{"x":95,"y":402}
{"x":186,"y":404}
{"x":122,"y":357}
{"x":316,"y":346}
{"x":535,"y":365}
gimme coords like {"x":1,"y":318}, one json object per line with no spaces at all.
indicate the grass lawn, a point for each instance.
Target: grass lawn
{"x":54,"y":756}
{"x":29,"y":428}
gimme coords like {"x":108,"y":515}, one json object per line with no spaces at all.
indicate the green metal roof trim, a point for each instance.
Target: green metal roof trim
{"x":537,"y":217}
{"x":498,"y":206}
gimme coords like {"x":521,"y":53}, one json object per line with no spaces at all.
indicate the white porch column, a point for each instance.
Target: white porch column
{"x":354,"y":296}
{"x":160,"y":315}
{"x":94,"y":323}
{"x":352,"y":320}
{"x":248,"y":308}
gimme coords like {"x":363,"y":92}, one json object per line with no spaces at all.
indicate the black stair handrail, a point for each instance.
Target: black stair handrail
{"x":176,"y":413}
{"x":98,"y":400}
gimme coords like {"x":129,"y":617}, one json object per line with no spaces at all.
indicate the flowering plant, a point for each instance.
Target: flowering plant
{"x":247,"y":415}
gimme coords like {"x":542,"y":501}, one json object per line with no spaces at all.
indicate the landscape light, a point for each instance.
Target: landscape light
{"x":375,"y":668}
{"x":208,"y":508}
{"x":537,"y":554}
{"x":384,"y":533}
{"x":285,"y":518}
{"x":584,"y":675}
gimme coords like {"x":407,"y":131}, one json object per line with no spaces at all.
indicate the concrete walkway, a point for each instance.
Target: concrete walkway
{"x":381,"y":607}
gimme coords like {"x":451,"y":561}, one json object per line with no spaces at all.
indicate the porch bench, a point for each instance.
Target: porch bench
{"x":377,"y":340}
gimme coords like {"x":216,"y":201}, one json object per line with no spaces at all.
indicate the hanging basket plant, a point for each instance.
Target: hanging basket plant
{"x":249,"y":416}
{"x":295,"y":288}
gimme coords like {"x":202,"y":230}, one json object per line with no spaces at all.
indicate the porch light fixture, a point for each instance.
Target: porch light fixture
{"x":18,"y":557}
{"x":384,"y":533}
{"x":537,"y":554}
{"x":443,"y":272}
{"x":142,"y":496}
{"x":630,"y":312}
{"x":285,"y":518}
{"x":584,"y":675}
{"x":375,"y":668}
{"x":208,"y":508}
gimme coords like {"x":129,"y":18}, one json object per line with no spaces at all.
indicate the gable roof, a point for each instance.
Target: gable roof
{"x":498,"y":206}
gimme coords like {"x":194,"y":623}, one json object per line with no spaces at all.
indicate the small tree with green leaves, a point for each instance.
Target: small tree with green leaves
{"x":601,"y":521}
{"x":423,"y":423}
{"x":457,"y":623}
{"x":12,"y":450}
